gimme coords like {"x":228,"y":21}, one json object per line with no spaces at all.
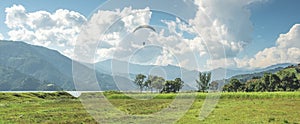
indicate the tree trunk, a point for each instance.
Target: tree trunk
{"x":141,"y":89}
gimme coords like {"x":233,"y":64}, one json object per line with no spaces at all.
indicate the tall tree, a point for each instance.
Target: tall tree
{"x":203,"y":81}
{"x":139,"y":80}
{"x":236,"y":84}
{"x":214,"y":85}
{"x":266,"y":82}
{"x":149,"y":82}
{"x":178,"y":84}
{"x":168,"y":86}
{"x":259,"y":86}
{"x":290,"y":81}
{"x":274,"y":82}
{"x":172,"y":85}
{"x":250,"y":85}
{"x":158,"y":83}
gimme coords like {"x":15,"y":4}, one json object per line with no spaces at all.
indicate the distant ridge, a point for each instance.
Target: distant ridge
{"x":42,"y":64}
{"x":46,"y":65}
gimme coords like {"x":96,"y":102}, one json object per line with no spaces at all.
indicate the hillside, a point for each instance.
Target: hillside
{"x":12,"y":80}
{"x":245,"y":77}
{"x":130,"y":70}
{"x":293,"y":69}
{"x":36,"y":62}
{"x":46,"y":65}
{"x":42,"y":64}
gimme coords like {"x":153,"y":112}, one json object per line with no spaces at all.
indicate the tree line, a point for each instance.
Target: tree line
{"x":282,"y":81}
{"x":158,"y":83}
{"x":167,"y":86}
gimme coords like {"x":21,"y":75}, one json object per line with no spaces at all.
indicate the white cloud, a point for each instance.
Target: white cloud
{"x":56,"y":30}
{"x":290,"y":39}
{"x":1,"y":37}
{"x":108,"y":28}
{"x":287,"y":50}
{"x":59,"y":30}
{"x":225,"y":25}
{"x":16,"y":16}
{"x":166,"y":58}
{"x":224,"y":28}
{"x":221,"y":63}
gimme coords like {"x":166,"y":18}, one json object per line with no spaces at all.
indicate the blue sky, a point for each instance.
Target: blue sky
{"x":80,"y":6}
{"x":271,"y":19}
{"x":267,"y":19}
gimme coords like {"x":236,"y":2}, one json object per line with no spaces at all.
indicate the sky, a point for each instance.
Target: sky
{"x":197,"y":35}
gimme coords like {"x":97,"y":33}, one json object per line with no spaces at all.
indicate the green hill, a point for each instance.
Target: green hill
{"x":43,"y":65}
{"x":245,"y":77}
{"x":13,"y":80}
{"x":291,"y":69}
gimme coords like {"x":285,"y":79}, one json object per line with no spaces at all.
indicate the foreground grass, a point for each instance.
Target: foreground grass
{"x":245,"y":108}
{"x":42,"y":108}
{"x":248,"y":111}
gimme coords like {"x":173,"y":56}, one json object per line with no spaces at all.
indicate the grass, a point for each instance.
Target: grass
{"x":248,"y":111}
{"x":60,"y":107}
{"x":228,"y":95}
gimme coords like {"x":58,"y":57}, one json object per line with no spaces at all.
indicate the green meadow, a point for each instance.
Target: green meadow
{"x":240,"y":108}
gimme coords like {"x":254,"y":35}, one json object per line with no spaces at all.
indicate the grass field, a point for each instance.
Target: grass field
{"x":60,"y":107}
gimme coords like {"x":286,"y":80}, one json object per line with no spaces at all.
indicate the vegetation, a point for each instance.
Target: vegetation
{"x":284,"y":80}
{"x":256,"y":75}
{"x":139,"y":80}
{"x":13,"y":80}
{"x":159,"y":83}
{"x":240,"y":107}
{"x":172,"y":86}
{"x":203,"y":82}
{"x":154,"y":82}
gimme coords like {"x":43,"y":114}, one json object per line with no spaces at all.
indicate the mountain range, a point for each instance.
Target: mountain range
{"x":41,"y":65}
{"x":28,"y":67}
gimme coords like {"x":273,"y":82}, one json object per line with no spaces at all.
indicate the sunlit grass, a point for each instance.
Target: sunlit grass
{"x":277,"y":107}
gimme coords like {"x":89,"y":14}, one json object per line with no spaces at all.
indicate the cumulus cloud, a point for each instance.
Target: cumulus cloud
{"x":224,"y":28}
{"x":108,"y":33}
{"x":56,"y":30}
{"x":290,"y":39}
{"x":221,"y":30}
{"x":1,"y":37}
{"x":287,"y":50}
{"x":59,"y":30}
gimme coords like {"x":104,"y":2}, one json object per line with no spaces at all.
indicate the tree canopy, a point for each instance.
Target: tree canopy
{"x":203,"y":81}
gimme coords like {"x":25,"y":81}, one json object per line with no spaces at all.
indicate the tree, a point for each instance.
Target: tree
{"x":250,"y":85}
{"x":289,"y":81}
{"x":178,"y":84}
{"x":227,"y":88}
{"x":203,"y":82}
{"x":274,"y":82}
{"x":214,"y":85}
{"x":266,"y":82}
{"x":139,"y":80}
{"x":259,"y":86}
{"x":149,"y":82}
{"x":172,"y":85}
{"x":168,"y":86}
{"x":156,"y":82}
{"x":236,"y":84}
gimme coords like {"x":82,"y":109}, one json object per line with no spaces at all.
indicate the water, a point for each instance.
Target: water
{"x":73,"y":93}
